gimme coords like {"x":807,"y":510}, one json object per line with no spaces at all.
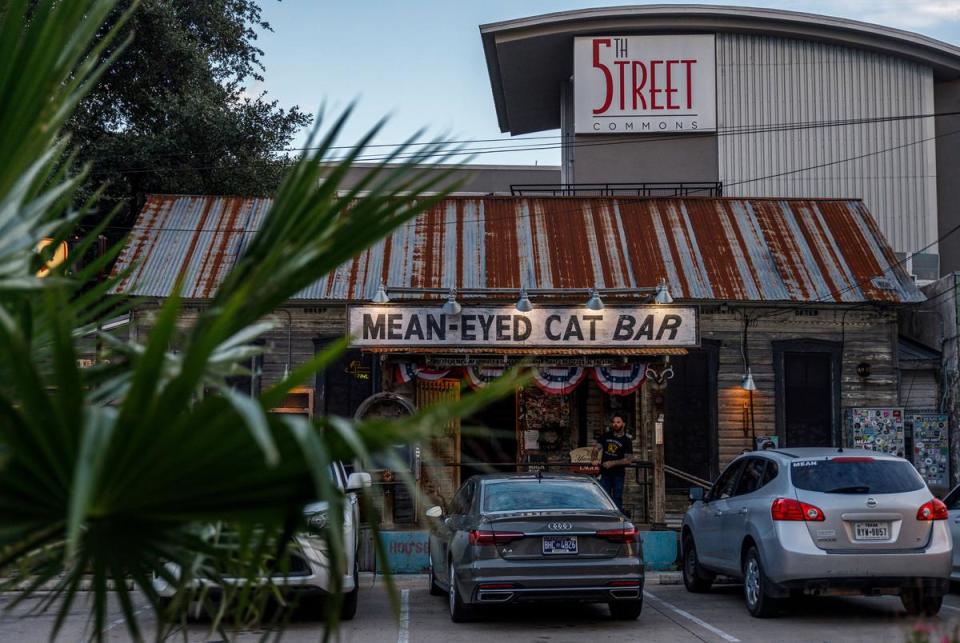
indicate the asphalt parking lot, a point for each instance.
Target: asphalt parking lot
{"x":669,"y":614}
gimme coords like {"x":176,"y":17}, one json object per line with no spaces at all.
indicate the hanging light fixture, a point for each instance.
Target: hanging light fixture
{"x":595,"y":303}
{"x":747,"y":383}
{"x":381,"y":296}
{"x":524,"y":305}
{"x":663,"y":293}
{"x":452,"y":307}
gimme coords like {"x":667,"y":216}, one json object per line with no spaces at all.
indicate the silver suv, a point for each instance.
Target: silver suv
{"x":819,"y":521}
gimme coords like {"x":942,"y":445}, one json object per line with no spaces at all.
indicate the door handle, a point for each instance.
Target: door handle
{"x":717,"y":513}
{"x":744,"y":511}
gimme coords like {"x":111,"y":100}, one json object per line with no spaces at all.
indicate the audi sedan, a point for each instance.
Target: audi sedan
{"x":511,"y":538}
{"x":819,"y":521}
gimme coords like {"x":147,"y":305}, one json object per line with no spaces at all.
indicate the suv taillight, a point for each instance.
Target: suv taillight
{"x":933,"y":510}
{"x":478,"y":537}
{"x":790,"y":509}
{"x":626,"y":534}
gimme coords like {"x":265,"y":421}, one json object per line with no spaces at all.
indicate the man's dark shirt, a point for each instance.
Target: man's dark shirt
{"x":614,"y":448}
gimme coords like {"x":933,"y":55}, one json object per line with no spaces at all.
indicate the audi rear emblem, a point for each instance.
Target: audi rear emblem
{"x":559,"y":526}
{"x":871,"y":502}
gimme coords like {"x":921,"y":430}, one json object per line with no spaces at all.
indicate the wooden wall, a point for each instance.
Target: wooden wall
{"x":865,"y":336}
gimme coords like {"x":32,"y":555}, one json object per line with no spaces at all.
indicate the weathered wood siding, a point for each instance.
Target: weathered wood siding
{"x":865,"y":336}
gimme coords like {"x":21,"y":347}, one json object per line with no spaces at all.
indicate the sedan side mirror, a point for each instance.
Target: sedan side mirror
{"x":359,"y":480}
{"x":434,"y":512}
{"x":695,"y":494}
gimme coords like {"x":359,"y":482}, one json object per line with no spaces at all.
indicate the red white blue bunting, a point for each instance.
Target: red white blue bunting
{"x":558,"y":380}
{"x":617,"y":380}
{"x":408,"y":371}
{"x":480,"y":376}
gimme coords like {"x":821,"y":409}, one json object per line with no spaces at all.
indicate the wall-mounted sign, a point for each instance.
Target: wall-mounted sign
{"x":504,"y":327}
{"x":644,"y":84}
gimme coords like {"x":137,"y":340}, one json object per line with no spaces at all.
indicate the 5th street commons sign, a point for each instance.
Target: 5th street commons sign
{"x":504,"y":327}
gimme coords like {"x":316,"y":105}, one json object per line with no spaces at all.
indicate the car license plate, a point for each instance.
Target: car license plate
{"x":871,"y":530}
{"x":559,"y":545}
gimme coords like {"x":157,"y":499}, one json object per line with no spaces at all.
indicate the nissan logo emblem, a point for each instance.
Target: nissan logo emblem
{"x":559,"y":526}
{"x":871,"y":502}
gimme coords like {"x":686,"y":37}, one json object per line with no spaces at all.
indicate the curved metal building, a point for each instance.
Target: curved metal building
{"x":804,"y":106}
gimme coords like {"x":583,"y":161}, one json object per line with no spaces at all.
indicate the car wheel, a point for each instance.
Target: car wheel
{"x":626,"y":610}
{"x":459,"y":613}
{"x":695,"y":578}
{"x":348,"y":609}
{"x":759,"y":604}
{"x":915,"y":602}
{"x":435,"y":589}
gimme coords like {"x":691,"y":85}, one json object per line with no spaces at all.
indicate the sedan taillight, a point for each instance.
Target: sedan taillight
{"x":626,"y":534}
{"x":933,"y":510}
{"x":478,"y":537}
{"x":794,"y":510}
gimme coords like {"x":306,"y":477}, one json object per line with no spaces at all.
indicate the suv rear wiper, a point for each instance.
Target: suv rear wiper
{"x":856,"y":489}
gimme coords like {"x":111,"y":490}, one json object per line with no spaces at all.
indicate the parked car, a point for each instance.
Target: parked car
{"x":819,"y":521}
{"x":518,"y":537}
{"x":952,"y":501}
{"x":309,"y":569}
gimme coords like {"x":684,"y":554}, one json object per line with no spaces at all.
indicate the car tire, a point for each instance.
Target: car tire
{"x":626,"y":610}
{"x":348,"y":609}
{"x":435,"y":589}
{"x":695,"y":578}
{"x":459,"y":612}
{"x":916,"y":602}
{"x":755,"y":592}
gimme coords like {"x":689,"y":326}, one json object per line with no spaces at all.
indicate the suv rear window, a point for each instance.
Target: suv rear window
{"x":532,"y":495}
{"x":859,"y":476}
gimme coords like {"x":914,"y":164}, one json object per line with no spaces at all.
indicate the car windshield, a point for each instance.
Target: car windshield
{"x":539,"y":495}
{"x":855,"y":476}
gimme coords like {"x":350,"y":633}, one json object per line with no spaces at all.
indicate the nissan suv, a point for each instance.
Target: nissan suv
{"x":819,"y":521}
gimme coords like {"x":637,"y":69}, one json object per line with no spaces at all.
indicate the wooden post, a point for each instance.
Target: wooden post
{"x":659,"y":478}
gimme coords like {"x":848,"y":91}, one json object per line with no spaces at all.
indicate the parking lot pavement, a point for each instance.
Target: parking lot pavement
{"x":670,"y":613}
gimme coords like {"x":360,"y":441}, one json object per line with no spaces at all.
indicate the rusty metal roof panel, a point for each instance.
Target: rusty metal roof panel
{"x":708,"y":249}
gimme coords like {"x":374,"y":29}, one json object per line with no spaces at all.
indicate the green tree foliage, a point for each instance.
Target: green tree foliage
{"x":171,"y":114}
{"x":111,"y":473}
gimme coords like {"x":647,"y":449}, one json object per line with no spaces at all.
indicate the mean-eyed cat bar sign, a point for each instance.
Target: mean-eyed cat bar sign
{"x":554,"y":327}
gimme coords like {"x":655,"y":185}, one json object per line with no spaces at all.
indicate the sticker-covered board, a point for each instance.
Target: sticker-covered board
{"x":877,"y":429}
{"x":930,"y":450}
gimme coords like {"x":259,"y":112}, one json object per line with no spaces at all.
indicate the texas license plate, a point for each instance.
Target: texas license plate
{"x":871,"y":530}
{"x":559,"y":545}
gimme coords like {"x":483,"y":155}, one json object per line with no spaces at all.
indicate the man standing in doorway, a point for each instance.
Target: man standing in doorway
{"x":616,"y":451}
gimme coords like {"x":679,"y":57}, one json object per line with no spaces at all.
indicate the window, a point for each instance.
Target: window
{"x":770,"y":472}
{"x":953,"y":499}
{"x":541,"y":495}
{"x":855,"y":476}
{"x":726,"y":483}
{"x":463,"y":501}
{"x":752,"y":477}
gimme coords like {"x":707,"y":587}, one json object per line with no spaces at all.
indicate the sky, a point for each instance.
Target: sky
{"x":420,"y":62}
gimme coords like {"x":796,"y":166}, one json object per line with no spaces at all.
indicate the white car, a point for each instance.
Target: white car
{"x":309,"y":570}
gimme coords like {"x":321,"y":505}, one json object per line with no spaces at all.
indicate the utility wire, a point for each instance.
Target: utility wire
{"x":580,"y":209}
{"x":728,"y":130}
{"x":449,"y":154}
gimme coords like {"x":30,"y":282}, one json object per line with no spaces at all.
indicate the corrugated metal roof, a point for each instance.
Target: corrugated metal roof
{"x":721,"y":249}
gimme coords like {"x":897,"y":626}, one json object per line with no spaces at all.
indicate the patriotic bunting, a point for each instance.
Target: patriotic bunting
{"x":559,"y":380}
{"x":480,"y":376}
{"x":616,"y":380}
{"x":408,"y":371}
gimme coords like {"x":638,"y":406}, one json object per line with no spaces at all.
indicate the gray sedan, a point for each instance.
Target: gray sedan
{"x":819,"y":521}
{"x":525,"y":537}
